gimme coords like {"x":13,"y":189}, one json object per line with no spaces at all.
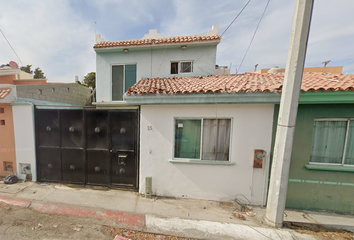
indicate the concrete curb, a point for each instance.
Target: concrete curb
{"x":161,"y":225}
{"x":121,"y":219}
{"x":15,"y":201}
{"x":218,"y":231}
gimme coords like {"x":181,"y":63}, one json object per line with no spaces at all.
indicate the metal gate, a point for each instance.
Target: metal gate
{"x":97,"y":147}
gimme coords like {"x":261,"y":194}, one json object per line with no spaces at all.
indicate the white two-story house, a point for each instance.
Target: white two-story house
{"x":120,"y":64}
{"x":193,"y":139}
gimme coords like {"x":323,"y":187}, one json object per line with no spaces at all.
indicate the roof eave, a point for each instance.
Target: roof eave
{"x":318,"y":97}
{"x":172,"y":45}
{"x":201,"y":98}
{"x":327,"y":97}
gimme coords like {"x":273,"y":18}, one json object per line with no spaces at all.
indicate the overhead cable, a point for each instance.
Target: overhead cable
{"x":254,"y":34}
{"x":11,"y":47}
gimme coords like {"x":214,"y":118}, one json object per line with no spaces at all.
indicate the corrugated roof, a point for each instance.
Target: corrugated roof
{"x":247,"y":82}
{"x":4,"y":92}
{"x":158,"y":41}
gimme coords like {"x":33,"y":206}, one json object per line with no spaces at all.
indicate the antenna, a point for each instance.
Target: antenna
{"x":325,"y":63}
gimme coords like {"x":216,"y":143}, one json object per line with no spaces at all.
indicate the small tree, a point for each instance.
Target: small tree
{"x":27,"y":69}
{"x":38,"y":73}
{"x":89,"y":80}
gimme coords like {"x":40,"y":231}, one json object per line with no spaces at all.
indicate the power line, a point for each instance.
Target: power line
{"x":236,"y":17}
{"x":254,"y":34}
{"x":224,"y":31}
{"x":11,"y":47}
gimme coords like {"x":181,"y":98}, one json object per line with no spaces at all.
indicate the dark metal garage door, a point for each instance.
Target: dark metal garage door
{"x":97,"y":147}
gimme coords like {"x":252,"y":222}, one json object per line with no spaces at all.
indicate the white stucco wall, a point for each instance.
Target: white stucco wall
{"x":25,"y":138}
{"x":152,"y":63}
{"x":251,"y":129}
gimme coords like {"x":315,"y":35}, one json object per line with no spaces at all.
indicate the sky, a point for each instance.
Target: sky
{"x":58,"y":35}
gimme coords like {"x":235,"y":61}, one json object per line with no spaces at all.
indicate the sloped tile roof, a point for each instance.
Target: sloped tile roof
{"x":4,"y":92}
{"x":327,"y":82}
{"x":239,"y":83}
{"x":157,"y":41}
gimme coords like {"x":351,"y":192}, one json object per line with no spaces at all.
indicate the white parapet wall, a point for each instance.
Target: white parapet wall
{"x":24,"y":127}
{"x":251,"y":129}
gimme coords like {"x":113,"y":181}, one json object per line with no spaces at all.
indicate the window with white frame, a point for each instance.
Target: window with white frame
{"x":202,"y":139}
{"x":333,"y":142}
{"x":181,"y":67}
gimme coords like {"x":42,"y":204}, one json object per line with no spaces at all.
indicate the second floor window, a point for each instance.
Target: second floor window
{"x":181,"y":67}
{"x":123,"y":77}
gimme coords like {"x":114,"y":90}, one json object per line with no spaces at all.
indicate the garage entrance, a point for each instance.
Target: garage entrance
{"x":87,"y":146}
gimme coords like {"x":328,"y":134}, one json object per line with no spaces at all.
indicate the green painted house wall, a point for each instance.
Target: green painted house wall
{"x":317,"y":188}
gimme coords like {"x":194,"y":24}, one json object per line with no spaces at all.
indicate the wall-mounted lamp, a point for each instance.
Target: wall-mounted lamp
{"x":126,"y":50}
{"x":183,"y":47}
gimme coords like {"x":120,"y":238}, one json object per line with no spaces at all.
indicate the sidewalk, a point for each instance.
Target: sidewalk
{"x":181,"y":217}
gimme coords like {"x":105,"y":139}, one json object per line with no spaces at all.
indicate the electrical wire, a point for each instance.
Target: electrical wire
{"x":160,"y":61}
{"x":254,"y":34}
{"x":236,"y":17}
{"x":223,"y":32}
{"x":11,"y":47}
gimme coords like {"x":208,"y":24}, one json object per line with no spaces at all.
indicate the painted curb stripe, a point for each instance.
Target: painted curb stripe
{"x":15,"y":201}
{"x":121,"y":218}
{"x":132,"y":220}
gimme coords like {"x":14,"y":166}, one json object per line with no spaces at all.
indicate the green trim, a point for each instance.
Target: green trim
{"x":59,"y":107}
{"x":326,"y":97}
{"x":110,"y":103}
{"x":312,"y":181}
{"x":295,"y":180}
{"x":202,"y":162}
{"x":202,"y":98}
{"x":44,"y":104}
{"x":330,"y":183}
{"x":321,"y":182}
{"x":21,"y":103}
{"x":329,"y":168}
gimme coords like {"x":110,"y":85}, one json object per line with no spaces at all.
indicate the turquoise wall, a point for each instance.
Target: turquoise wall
{"x":315,"y":189}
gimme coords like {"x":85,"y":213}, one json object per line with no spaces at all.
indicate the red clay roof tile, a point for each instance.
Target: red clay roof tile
{"x":157,"y":41}
{"x":4,"y":92}
{"x":247,"y":82}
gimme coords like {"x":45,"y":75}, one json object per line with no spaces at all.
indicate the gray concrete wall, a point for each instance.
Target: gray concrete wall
{"x":70,"y":93}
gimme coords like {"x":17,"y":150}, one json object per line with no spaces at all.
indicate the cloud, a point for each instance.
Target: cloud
{"x":58,"y":36}
{"x":331,"y":33}
{"x":47,"y":34}
{"x":269,"y":46}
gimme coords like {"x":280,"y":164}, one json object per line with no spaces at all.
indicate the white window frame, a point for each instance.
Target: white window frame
{"x":180,"y":66}
{"x":345,"y":141}
{"x":201,"y":137}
